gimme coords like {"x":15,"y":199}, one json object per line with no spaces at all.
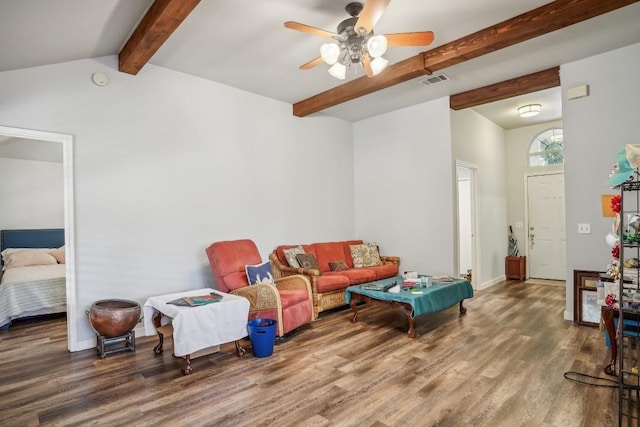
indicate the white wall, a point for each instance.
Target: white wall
{"x":481,"y":142}
{"x":518,"y":141}
{"x":31,"y":194}
{"x":595,"y":129}
{"x":167,"y":163}
{"x":404,"y":180}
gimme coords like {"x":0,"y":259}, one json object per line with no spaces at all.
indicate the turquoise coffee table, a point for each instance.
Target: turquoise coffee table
{"x":439,"y":296}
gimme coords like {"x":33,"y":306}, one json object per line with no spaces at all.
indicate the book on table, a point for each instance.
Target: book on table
{"x":383,"y":287}
{"x":196,"y":300}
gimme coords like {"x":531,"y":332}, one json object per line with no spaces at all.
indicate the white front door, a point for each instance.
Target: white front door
{"x":547,"y":231}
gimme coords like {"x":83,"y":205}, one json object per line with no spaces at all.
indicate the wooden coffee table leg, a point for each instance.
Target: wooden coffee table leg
{"x":158,"y":348}
{"x":187,"y":369}
{"x":239,"y":350}
{"x":157,"y":317}
{"x":463,"y":309}
{"x":354,"y":306}
{"x":407,"y":310}
{"x":412,"y":330}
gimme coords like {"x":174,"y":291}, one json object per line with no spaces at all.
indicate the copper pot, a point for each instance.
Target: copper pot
{"x":114,"y":317}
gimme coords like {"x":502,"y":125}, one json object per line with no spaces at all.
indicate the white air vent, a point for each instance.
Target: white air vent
{"x":431,"y":80}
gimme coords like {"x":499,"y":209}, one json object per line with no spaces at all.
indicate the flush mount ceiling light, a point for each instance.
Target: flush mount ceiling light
{"x":529,"y":110}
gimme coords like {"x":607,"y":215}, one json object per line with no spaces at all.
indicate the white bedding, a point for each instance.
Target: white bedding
{"x":27,"y":291}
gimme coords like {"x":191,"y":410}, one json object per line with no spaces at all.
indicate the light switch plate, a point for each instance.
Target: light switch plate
{"x":584,"y":228}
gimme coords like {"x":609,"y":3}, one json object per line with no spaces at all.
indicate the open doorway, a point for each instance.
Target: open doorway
{"x":65,"y":143}
{"x":466,"y":176}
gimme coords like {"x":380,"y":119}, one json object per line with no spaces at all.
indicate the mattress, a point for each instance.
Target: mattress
{"x":27,"y":291}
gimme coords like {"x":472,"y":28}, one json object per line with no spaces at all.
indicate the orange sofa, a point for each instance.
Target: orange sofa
{"x":327,"y":287}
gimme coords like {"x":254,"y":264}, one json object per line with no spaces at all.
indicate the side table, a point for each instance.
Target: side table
{"x":515,"y":267}
{"x":197,"y":328}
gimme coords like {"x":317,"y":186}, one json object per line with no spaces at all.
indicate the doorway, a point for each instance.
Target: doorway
{"x":546,"y":230}
{"x":466,"y":176}
{"x":66,"y":142}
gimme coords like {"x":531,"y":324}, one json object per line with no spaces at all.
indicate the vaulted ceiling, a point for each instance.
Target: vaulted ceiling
{"x":488,"y":49}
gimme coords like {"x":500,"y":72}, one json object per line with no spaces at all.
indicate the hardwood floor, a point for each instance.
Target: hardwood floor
{"x":500,"y":365}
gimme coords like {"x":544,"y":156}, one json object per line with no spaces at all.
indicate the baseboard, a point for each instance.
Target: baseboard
{"x":568,"y":315}
{"x":86,"y":344}
{"x":491,"y":282}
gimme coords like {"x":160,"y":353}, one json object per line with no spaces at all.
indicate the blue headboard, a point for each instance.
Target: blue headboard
{"x":36,"y":238}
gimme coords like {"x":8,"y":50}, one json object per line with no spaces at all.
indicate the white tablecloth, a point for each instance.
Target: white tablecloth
{"x":196,"y":328}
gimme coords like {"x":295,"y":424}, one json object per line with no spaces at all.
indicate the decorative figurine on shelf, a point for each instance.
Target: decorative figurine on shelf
{"x":627,"y":160}
{"x":631,"y":263}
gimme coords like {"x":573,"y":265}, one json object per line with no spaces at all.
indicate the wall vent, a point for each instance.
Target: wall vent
{"x":431,"y":80}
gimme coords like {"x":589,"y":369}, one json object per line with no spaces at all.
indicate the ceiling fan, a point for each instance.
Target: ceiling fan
{"x":356,"y":42}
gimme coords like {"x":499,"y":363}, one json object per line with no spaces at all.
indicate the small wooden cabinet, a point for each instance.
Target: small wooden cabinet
{"x":515,"y":267}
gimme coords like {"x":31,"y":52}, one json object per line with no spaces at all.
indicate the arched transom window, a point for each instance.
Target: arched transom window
{"x":547,"y":148}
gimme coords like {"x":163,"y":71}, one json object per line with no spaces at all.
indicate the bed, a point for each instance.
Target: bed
{"x":35,"y":289}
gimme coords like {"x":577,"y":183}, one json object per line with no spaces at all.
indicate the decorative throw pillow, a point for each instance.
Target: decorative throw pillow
{"x":58,"y":254}
{"x":10,"y":250}
{"x":307,"y":261}
{"x":365,"y":255}
{"x":260,"y":274}
{"x":26,"y":258}
{"x":338,"y":266}
{"x":290,"y":255}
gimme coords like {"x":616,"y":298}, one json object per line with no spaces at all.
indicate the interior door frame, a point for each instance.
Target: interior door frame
{"x":475,"y":253}
{"x":69,"y":223}
{"x":526,"y":210}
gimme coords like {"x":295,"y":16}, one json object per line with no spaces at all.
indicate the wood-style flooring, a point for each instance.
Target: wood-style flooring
{"x":500,"y":365}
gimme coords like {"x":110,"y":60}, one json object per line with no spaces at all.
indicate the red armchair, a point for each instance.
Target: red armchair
{"x":289,"y":302}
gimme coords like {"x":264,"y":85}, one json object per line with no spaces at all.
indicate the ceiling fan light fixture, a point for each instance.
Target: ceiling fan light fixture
{"x":338,"y":70}
{"x":378,"y":64}
{"x":529,"y":110}
{"x":354,"y":41}
{"x":377,"y":46}
{"x":330,"y":52}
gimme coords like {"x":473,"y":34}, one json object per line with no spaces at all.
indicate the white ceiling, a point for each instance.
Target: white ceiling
{"x":245,"y":45}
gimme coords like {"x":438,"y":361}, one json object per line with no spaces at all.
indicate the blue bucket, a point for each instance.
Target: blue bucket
{"x":262,"y":333}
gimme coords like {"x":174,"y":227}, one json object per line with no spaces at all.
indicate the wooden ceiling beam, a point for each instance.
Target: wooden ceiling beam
{"x":507,"y":89}
{"x":542,"y":20}
{"x":160,"y":21}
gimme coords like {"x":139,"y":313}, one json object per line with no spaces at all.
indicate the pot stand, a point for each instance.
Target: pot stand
{"x":129,"y":340}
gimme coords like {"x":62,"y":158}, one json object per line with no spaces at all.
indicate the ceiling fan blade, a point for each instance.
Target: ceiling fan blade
{"x":371,"y":13}
{"x":309,"y":30}
{"x":422,"y":38}
{"x":366,"y":65}
{"x":309,"y":65}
